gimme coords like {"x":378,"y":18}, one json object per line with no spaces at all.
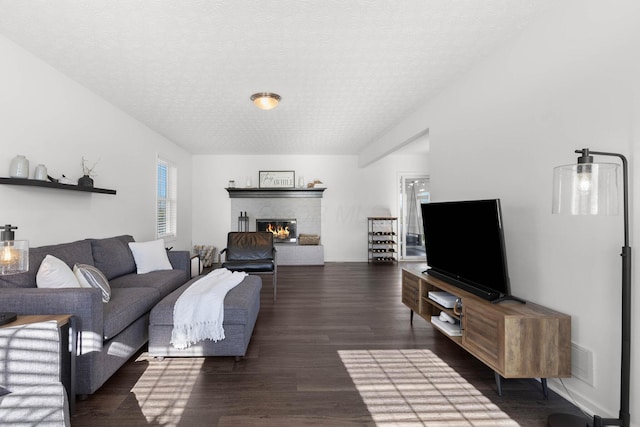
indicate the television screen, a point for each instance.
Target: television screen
{"x":465,"y":245}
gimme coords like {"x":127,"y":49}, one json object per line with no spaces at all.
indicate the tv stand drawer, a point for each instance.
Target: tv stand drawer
{"x":482,"y":335}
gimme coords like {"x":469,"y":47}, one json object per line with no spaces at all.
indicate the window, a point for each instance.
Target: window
{"x":166,"y":215}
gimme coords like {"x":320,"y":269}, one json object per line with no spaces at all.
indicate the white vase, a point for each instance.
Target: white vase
{"x":40,"y":173}
{"x":19,"y":167}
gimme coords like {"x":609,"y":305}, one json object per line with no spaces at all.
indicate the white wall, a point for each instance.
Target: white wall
{"x":352,"y":194}
{"x":569,"y":82}
{"x":53,"y":120}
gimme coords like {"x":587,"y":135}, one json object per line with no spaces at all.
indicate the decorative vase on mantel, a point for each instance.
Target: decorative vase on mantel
{"x":85,"y":181}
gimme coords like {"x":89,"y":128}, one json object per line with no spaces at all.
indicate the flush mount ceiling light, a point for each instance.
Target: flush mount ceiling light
{"x":265,"y":100}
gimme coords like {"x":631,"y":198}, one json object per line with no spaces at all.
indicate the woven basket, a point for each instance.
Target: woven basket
{"x":308,"y":239}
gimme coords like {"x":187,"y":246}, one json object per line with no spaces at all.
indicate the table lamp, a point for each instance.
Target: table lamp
{"x":14,"y":259}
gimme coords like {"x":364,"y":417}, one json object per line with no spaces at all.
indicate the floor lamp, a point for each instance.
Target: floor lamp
{"x":589,"y":188}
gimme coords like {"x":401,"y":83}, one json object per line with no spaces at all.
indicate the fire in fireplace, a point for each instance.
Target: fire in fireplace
{"x":284,"y":230}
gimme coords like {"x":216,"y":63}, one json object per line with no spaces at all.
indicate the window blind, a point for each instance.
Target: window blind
{"x":166,"y":215}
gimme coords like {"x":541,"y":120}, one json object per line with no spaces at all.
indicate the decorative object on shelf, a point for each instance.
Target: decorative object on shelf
{"x":589,"y":188}
{"x":86,"y":180}
{"x":14,"y":254}
{"x":308,"y":239}
{"x":277,"y":179}
{"x":19,"y":167}
{"x":249,"y":182}
{"x":265,"y":100}
{"x":232,"y":184}
{"x":316,"y":184}
{"x":64,"y":180}
{"x":41,"y":173}
{"x":301,"y":182}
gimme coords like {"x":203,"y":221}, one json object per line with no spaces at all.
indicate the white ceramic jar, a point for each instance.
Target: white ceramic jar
{"x":19,"y":167}
{"x":40,"y":173}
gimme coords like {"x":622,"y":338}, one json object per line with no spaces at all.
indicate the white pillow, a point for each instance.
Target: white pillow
{"x":91,"y":277}
{"x":150,"y":256}
{"x":55,"y":273}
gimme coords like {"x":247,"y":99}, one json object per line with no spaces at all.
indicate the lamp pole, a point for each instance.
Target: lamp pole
{"x":624,"y":417}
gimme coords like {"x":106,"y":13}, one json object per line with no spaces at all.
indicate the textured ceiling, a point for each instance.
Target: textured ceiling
{"x":347,"y":71}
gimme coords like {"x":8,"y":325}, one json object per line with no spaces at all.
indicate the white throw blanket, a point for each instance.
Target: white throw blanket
{"x":199,"y":312}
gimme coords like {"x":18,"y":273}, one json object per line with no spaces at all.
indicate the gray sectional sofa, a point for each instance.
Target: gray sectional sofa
{"x":110,"y":333}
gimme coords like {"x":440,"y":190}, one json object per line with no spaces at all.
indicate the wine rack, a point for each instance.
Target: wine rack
{"x":383,"y":239}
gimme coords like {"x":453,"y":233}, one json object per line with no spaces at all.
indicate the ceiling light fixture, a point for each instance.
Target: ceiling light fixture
{"x":265,"y":100}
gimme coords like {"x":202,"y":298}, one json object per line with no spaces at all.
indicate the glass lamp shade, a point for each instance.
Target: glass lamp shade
{"x":586,"y":189}
{"x":14,"y":256}
{"x":265,"y":100}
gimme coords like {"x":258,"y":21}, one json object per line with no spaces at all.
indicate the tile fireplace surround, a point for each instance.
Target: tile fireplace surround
{"x":302,"y":204}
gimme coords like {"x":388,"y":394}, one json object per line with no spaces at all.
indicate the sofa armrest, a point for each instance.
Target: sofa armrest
{"x":84,"y":303}
{"x":180,"y":260}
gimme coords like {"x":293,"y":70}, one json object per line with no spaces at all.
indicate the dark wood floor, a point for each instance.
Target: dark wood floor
{"x":292,"y":375}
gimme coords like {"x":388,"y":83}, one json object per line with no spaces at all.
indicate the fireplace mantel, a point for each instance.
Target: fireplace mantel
{"x":255,"y":193}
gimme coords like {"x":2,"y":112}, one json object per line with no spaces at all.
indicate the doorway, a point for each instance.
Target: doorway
{"x":414,"y":190}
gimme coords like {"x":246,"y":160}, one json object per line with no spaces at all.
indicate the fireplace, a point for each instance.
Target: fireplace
{"x":284,"y":230}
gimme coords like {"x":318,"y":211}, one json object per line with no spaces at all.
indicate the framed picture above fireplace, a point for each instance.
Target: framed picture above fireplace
{"x":277,"y":179}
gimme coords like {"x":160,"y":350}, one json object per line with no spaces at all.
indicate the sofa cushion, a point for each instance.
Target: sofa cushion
{"x":150,"y":256}
{"x":70,"y":253}
{"x":165,"y":281}
{"x":250,"y":265}
{"x":55,"y":273}
{"x":125,"y":306}
{"x":113,"y":256}
{"x":237,"y":303}
{"x":91,"y":277}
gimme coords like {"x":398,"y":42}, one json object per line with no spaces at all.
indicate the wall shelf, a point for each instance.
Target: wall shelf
{"x":274,"y":192}
{"x":56,"y":185}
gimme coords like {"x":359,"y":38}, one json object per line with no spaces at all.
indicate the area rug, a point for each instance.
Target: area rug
{"x":417,"y":388}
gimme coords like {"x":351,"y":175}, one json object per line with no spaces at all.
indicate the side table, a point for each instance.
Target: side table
{"x":68,"y":325}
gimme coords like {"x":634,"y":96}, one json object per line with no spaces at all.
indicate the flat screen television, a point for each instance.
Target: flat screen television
{"x":464,"y":242}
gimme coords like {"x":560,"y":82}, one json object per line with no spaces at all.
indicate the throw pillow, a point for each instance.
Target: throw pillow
{"x":91,"y":277}
{"x":55,"y":273}
{"x":150,"y":256}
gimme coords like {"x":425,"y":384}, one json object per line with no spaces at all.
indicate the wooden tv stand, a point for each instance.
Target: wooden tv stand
{"x":516,"y":340}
